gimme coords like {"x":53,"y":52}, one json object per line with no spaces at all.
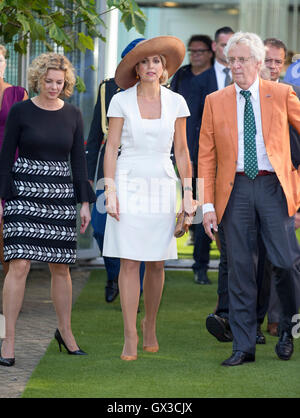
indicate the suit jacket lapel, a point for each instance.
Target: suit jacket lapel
{"x":213,"y":81}
{"x":266,"y":108}
{"x":230,"y":112}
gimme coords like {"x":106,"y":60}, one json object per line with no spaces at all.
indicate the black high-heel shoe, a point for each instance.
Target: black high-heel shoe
{"x":61,"y":342}
{"x":7,"y":362}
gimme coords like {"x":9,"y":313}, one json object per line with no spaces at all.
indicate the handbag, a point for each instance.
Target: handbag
{"x":184,"y":221}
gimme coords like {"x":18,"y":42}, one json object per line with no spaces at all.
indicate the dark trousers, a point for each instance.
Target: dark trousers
{"x":274,"y":308}
{"x":201,"y":248}
{"x":258,"y":207}
{"x":263,"y":282}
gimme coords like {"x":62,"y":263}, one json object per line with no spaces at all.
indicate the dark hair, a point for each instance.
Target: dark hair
{"x":224,"y":29}
{"x":201,"y":38}
{"x":276,"y":43}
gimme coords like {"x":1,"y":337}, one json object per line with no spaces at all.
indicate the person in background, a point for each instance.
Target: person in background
{"x":8,"y":96}
{"x":95,"y":151}
{"x":276,"y":56}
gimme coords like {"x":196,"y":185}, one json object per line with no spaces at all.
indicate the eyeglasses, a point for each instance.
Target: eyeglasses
{"x":270,"y":61}
{"x":240,"y":60}
{"x":197,"y":51}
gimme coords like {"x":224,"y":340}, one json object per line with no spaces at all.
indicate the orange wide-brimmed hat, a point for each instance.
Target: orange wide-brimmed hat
{"x":170,"y":47}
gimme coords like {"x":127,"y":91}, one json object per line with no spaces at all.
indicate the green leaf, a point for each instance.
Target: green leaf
{"x":87,"y":41}
{"x":21,"y":46}
{"x":3,"y":18}
{"x":80,"y":85}
{"x":59,"y":4}
{"x":37,"y":31}
{"x":139,"y":24}
{"x":58,"y":18}
{"x":56,"y":33}
{"x":24,"y":22}
{"x":127,"y":20}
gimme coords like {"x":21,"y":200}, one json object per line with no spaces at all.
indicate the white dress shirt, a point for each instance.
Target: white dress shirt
{"x":220,"y":74}
{"x":262,"y":156}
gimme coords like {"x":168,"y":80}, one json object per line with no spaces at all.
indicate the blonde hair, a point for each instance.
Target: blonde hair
{"x":165,"y":75}
{"x":3,"y":50}
{"x":51,"y":61}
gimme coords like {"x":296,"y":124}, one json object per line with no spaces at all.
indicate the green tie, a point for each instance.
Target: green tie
{"x":250,"y":157}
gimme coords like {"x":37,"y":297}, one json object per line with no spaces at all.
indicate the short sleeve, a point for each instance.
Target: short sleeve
{"x":115,"y":109}
{"x":182,"y":109}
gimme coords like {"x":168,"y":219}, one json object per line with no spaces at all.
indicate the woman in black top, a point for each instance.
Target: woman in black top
{"x":40,"y":210}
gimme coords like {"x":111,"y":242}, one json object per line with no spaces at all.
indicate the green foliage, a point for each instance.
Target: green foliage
{"x":36,"y":20}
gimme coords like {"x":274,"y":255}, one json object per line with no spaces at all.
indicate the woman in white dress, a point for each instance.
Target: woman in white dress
{"x":145,"y":119}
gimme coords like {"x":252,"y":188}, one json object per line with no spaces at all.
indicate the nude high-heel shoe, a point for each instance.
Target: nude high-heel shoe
{"x":149,"y":348}
{"x":128,"y":357}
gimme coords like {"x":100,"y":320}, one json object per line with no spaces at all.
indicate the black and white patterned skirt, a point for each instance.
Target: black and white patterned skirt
{"x":40,"y":222}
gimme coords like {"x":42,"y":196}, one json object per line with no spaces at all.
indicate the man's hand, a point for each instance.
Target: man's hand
{"x":210,"y":223}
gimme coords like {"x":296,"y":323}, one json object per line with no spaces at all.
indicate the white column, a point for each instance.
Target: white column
{"x":111,"y":50}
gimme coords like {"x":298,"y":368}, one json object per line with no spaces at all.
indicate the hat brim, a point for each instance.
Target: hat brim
{"x":170,"y":47}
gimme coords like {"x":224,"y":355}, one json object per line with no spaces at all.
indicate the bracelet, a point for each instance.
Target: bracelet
{"x":188,"y":188}
{"x":109,"y":190}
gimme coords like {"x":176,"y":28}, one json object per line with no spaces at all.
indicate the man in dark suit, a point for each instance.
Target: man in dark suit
{"x":276,"y":53}
{"x":95,"y":150}
{"x":215,"y":78}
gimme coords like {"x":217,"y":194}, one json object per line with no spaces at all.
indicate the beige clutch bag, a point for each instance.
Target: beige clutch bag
{"x":184,"y":221}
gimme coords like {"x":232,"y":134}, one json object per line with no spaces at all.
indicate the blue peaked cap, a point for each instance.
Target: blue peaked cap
{"x":130,"y":46}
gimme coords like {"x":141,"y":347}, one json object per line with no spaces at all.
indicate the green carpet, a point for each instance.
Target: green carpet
{"x":187,"y":364}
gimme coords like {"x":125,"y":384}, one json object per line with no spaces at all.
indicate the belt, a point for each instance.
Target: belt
{"x":260,"y":173}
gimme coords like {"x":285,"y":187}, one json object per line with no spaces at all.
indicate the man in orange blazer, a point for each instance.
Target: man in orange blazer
{"x":250,"y":185}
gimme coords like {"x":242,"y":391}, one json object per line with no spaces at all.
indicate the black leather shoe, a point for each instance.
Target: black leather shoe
{"x":219,"y":328}
{"x":285,"y":346}
{"x":111,"y":290}
{"x":238,"y":358}
{"x":201,"y":277}
{"x":7,"y":362}
{"x":260,"y":338}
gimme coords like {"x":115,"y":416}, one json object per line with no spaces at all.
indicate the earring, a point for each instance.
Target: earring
{"x":137,"y":77}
